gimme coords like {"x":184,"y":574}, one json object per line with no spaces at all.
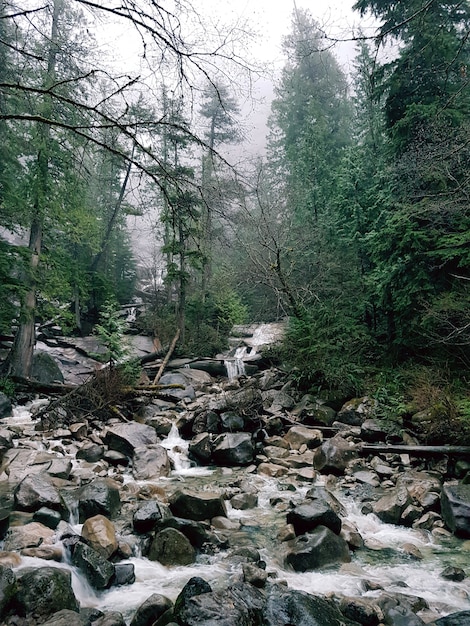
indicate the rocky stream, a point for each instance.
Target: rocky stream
{"x":228,"y":502}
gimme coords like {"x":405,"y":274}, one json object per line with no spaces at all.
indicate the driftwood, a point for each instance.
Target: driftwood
{"x":158,"y":375}
{"x":419,"y":451}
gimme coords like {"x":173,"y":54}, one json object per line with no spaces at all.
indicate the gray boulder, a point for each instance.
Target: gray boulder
{"x":45,"y":369}
{"x":150,"y":462}
{"x":172,"y":547}
{"x":97,"y":570}
{"x":66,"y":617}
{"x":297,"y":608}
{"x":319,"y":548}
{"x":151,"y":610}
{"x":197,"y":506}
{"x":233,"y":449}
{"x":391,"y":506}
{"x":100,"y":497}
{"x":126,"y":438}
{"x":307,"y":517}
{"x":149,"y":515}
{"x":5,"y":406}
{"x":113,"y":618}
{"x":36,"y":491}
{"x":334,"y":455}
{"x":7,"y":587}
{"x":461,"y":618}
{"x":455,"y":509}
{"x":200,"y":447}
{"x":41,"y":592}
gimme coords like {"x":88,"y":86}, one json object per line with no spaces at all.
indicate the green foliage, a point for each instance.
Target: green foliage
{"x":7,"y":386}
{"x":110,"y":332}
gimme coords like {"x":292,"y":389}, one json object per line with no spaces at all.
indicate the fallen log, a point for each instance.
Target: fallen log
{"x":419,"y":451}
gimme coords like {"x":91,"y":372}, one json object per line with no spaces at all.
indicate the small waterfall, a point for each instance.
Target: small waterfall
{"x":235,"y":366}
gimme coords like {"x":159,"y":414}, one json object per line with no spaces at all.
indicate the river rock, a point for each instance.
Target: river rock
{"x":151,"y":610}
{"x":391,"y":506}
{"x":233,"y":449}
{"x":286,"y":606}
{"x":66,"y":617}
{"x":99,"y":533}
{"x":185,"y":391}
{"x":372,"y":431}
{"x":100,"y":497}
{"x":125,"y":438}
{"x":97,"y":570}
{"x":424,"y":488}
{"x":41,"y":592}
{"x":200,"y":448}
{"x":316,"y":549}
{"x":197,"y":506}
{"x":334,"y":455}
{"x":4,"y":521}
{"x":356,"y":411}
{"x":28,"y":536}
{"x":244,"y":501}
{"x":149,"y":515}
{"x":199,"y":534}
{"x":461,"y":618}
{"x":124,"y":574}
{"x":112,"y":618}
{"x":298,"y":436}
{"x":362,"y":610}
{"x":239,"y":605}
{"x":276,"y":401}
{"x":90,"y":452}
{"x":455,"y":508}
{"x":36,"y":491}
{"x":453,"y":573}
{"x":172,"y":547}
{"x":150,"y":462}
{"x":7,"y":587}
{"x":307,"y":517}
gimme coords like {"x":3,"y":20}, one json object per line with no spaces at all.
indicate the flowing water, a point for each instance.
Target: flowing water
{"x":384,"y":562}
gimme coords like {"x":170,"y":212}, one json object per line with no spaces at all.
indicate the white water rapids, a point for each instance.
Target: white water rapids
{"x":385,"y":563}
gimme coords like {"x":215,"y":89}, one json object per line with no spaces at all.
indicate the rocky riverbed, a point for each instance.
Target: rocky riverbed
{"x":227,"y":503}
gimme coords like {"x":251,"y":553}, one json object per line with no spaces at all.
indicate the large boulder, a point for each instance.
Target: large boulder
{"x":233,"y":449}
{"x":356,"y":411}
{"x":150,"y":462}
{"x":172,"y":547}
{"x":334,"y":455}
{"x":100,"y":497}
{"x":151,"y":610}
{"x":298,"y":436}
{"x":312,"y":410}
{"x":29,"y":535}
{"x":97,"y":570}
{"x":41,"y":592}
{"x":180,"y":392}
{"x":286,"y":606}
{"x":319,"y":548}
{"x":149,"y":515}
{"x":306,"y":517}
{"x":197,"y":506}
{"x":389,"y":508}
{"x":455,"y":508}
{"x":126,"y":438}
{"x":66,"y":617}
{"x":239,"y":605}
{"x":424,"y":488}
{"x":461,"y":618}
{"x":7,"y":587}
{"x":45,"y":369}
{"x":36,"y":491}
{"x":98,"y":532}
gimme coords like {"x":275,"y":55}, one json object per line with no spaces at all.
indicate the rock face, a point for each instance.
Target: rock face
{"x":317,"y":549}
{"x":455,"y":507}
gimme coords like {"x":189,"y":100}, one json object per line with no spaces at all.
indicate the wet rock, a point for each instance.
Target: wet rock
{"x":455,"y":508}
{"x":461,"y":618}
{"x":312,"y":410}
{"x":97,"y":570}
{"x":4,"y":522}
{"x":239,"y":605}
{"x":48,"y":517}
{"x":233,"y":449}
{"x":307,"y":517}
{"x":124,"y":574}
{"x":47,"y":553}
{"x":200,"y":448}
{"x":5,"y":406}
{"x":36,"y":491}
{"x":424,"y":488}
{"x":316,"y":549}
{"x":60,"y":468}
{"x":172,"y":547}
{"x":149,"y":515}
{"x":334,"y":455}
{"x":125,"y":438}
{"x":197,"y":506}
{"x":7,"y":586}
{"x":231,"y":421}
{"x":276,"y":401}
{"x":361,"y":610}
{"x":285,"y":606}
{"x":150,"y":462}
{"x":90,"y":452}
{"x":254,"y":575}
{"x":297,"y":436}
{"x":115,"y":458}
{"x":372,"y":431}
{"x":113,"y":618}
{"x":41,"y":592}
{"x":176,"y":378}
{"x":199,"y":534}
{"x":66,"y":617}
{"x":28,"y":536}
{"x":194,"y":587}
{"x":99,"y":533}
{"x":244,"y":501}
{"x":101,"y":497}
{"x":453,"y":573}
{"x":151,"y":610}
{"x":248,"y":398}
{"x":391,"y":506}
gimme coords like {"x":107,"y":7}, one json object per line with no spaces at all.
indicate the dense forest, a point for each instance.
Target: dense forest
{"x":355,"y":224}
